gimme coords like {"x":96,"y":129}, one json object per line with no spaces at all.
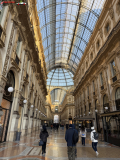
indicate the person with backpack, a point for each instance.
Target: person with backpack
{"x":71,"y":138}
{"x":94,"y":138}
{"x":83,"y":134}
{"x":43,"y":136}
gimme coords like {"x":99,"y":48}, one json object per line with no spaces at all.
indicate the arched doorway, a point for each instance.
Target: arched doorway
{"x":56,"y":119}
{"x":117,"y":98}
{"x":6,"y":106}
{"x":106,"y":107}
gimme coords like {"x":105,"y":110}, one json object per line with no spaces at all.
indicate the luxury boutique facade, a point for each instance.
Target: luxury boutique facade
{"x":97,"y":79}
{"x":60,"y":62}
{"x":21,"y":69}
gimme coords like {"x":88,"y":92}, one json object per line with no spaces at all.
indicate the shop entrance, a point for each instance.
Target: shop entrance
{"x":6,"y":107}
{"x":4,"y":121}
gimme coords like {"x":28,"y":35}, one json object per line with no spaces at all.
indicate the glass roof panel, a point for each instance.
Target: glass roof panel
{"x":60,"y":77}
{"x":66,"y":27}
{"x":57,"y":96}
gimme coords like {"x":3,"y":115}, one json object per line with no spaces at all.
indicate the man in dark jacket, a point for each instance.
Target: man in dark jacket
{"x":75,"y":145}
{"x":69,"y":140}
{"x":43,"y":136}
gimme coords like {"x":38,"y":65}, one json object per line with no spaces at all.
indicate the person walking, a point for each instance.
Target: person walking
{"x":75,"y":145}
{"x":69,"y":139}
{"x":43,"y":136}
{"x":94,"y":139}
{"x":83,"y":134}
{"x":51,"y":126}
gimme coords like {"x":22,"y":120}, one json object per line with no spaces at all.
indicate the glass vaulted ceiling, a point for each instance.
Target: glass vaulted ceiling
{"x":66,"y":27}
{"x":57,"y":96}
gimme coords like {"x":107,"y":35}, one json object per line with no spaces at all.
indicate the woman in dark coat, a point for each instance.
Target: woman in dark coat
{"x":43,"y":136}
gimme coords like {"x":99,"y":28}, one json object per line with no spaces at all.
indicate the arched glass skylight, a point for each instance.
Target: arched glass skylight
{"x":60,"y":77}
{"x":57,"y":96}
{"x":66,"y":27}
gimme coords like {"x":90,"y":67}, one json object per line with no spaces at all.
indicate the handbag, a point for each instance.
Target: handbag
{"x":40,"y":143}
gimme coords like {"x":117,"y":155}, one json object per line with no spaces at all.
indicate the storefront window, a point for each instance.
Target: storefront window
{"x":112,"y":129}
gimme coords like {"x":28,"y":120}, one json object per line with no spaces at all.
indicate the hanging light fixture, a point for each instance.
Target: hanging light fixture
{"x":96,"y":110}
{"x":25,"y":101}
{"x":10,"y":89}
{"x":106,"y":107}
{"x":32,"y":106}
{"x":89,"y":112}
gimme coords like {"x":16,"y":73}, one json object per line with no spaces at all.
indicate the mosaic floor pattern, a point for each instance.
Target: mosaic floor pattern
{"x":28,"y":149}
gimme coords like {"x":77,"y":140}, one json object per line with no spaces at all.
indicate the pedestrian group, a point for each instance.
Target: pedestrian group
{"x":71,"y":137}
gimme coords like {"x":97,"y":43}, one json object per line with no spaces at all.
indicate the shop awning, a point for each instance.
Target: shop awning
{"x":110,"y":114}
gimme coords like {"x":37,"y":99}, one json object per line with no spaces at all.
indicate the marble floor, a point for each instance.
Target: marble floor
{"x":28,"y":149}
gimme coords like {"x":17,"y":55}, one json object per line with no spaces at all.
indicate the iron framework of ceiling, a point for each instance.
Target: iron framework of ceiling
{"x":66,"y":27}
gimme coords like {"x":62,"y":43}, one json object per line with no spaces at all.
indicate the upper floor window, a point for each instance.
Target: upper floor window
{"x":91,"y":56}
{"x":101,"y":78}
{"x":98,"y":44}
{"x":82,"y":71}
{"x":107,"y":28}
{"x":93,"y":87}
{"x":2,"y":8}
{"x":18,"y":45}
{"x":88,"y":90}
{"x":113,"y":68}
{"x":86,"y":64}
{"x":84,"y":94}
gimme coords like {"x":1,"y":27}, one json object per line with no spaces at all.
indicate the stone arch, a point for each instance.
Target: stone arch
{"x":102,"y":96}
{"x":113,"y":91}
{"x":16,"y":75}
